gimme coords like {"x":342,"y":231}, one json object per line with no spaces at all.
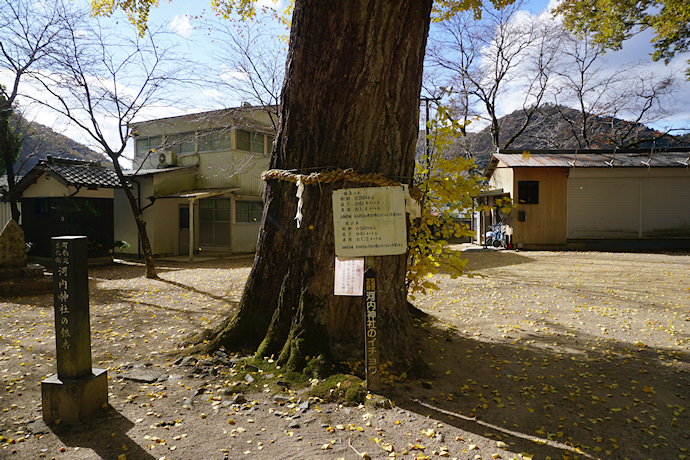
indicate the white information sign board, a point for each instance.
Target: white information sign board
{"x":369,"y":221}
{"x":349,"y":277}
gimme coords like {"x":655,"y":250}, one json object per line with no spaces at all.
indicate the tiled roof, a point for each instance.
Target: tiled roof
{"x":84,"y":175}
{"x":72,"y":172}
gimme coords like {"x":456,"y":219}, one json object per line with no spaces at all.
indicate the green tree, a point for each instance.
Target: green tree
{"x":612,"y":22}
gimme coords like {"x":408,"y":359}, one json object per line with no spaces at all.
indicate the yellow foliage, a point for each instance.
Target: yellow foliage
{"x":137,"y":11}
{"x":448,"y":188}
{"x":445,"y":9}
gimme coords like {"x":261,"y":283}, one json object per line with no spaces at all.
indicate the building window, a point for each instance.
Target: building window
{"x":216,"y":139}
{"x":248,"y":211}
{"x":250,"y":142}
{"x":146,"y":144}
{"x":214,"y":221}
{"x":528,"y":192}
{"x":180,"y":143}
{"x":42,"y":206}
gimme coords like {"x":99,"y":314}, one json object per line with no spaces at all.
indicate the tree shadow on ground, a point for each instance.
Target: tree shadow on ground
{"x":199,"y":291}
{"x":186,"y":311}
{"x":479,"y":258}
{"x":38,"y":300}
{"x":127,"y":270}
{"x":229,"y":263}
{"x":559,"y":397}
{"x":106,"y":435}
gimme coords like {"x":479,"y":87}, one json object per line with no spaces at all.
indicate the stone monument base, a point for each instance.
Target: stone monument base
{"x":24,"y":281}
{"x":74,"y":401}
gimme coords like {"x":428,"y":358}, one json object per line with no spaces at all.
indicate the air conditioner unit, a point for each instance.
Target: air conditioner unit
{"x":166,"y":159}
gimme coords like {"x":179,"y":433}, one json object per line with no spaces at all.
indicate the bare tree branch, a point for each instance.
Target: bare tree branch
{"x":101,"y":77}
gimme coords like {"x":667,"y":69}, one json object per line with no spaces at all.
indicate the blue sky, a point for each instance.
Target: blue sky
{"x":182,"y":17}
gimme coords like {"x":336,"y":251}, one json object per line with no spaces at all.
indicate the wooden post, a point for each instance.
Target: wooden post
{"x":77,"y":391}
{"x":371,"y":331}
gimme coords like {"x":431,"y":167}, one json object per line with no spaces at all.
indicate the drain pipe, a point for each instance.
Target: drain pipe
{"x":191,"y":229}
{"x":139,"y":206}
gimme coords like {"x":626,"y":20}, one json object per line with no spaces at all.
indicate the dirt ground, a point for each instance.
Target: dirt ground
{"x":534,"y":354}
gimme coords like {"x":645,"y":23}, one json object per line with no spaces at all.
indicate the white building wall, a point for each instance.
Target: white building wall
{"x":174,"y":181}
{"x":232,"y":169}
{"x":244,"y":237}
{"x":125,"y":225}
{"x":502,"y":178}
{"x":628,"y":203}
{"x":6,"y":213}
{"x":48,"y":186}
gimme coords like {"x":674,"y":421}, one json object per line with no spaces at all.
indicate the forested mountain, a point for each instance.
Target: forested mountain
{"x":558,"y":127}
{"x":39,"y":141}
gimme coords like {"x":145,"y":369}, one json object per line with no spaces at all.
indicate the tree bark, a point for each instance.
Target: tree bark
{"x":350,"y":100}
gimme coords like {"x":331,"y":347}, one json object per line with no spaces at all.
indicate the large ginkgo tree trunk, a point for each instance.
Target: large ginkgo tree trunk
{"x":350,"y":100}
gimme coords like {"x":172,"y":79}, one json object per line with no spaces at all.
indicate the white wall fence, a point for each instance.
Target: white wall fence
{"x":6,"y":213}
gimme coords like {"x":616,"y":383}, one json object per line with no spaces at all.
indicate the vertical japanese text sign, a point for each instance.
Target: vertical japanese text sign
{"x":371,"y":330}
{"x":71,"y":300}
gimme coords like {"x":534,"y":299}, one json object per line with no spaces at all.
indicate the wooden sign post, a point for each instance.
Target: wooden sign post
{"x":77,"y":391}
{"x":371,"y":331}
{"x":369,"y":221}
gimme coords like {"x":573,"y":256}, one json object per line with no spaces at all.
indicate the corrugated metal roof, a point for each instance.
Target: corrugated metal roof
{"x":594,"y":160}
{"x":150,"y":172}
{"x":200,"y":193}
{"x":626,"y":158}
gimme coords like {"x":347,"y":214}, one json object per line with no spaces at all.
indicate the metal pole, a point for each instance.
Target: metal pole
{"x":191,"y":229}
{"x":426,"y":139}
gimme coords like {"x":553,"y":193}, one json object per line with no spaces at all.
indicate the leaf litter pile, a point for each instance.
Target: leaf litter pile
{"x":559,"y":355}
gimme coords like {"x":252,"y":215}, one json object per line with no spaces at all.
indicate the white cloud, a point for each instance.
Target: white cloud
{"x":212,"y":94}
{"x":181,"y":26}
{"x":277,"y":5}
{"x":634,"y":56}
{"x":231,"y":75}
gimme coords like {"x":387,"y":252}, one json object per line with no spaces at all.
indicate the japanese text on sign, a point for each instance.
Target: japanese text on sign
{"x":369,"y":221}
{"x":62,"y":264}
{"x":349,"y":277}
{"x":371,"y":330}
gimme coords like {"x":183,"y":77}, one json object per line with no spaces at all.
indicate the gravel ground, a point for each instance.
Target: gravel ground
{"x":533,"y":355}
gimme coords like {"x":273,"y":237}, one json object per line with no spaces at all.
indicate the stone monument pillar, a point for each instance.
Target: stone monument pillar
{"x":77,"y":391}
{"x":16,"y":277}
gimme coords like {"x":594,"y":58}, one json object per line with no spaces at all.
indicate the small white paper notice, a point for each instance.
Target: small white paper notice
{"x":349,"y":277}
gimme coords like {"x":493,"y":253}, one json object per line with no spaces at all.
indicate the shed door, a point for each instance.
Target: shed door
{"x":603,"y":208}
{"x":665,"y":208}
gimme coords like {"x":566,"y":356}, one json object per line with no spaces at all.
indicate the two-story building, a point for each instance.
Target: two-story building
{"x":197,"y":181}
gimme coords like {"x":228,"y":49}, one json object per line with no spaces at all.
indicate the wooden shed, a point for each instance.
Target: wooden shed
{"x":588,"y":199}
